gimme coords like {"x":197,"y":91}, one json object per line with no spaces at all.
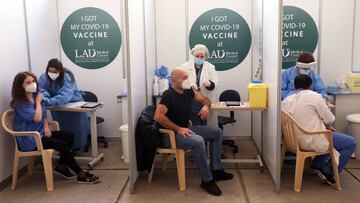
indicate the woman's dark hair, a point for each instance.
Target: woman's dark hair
{"x":302,"y":82}
{"x":18,"y":91}
{"x":306,"y":57}
{"x":55,"y":63}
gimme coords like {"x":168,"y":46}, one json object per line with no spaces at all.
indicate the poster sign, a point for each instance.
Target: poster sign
{"x":299,"y":34}
{"x":225,"y":33}
{"x":90,"y":38}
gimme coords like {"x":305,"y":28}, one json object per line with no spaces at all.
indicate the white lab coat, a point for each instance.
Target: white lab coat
{"x":310,"y":111}
{"x":208,"y":72}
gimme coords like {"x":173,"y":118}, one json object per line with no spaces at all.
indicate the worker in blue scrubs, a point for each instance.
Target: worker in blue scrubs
{"x":305,"y":65}
{"x":58,"y":86}
{"x":30,"y":115}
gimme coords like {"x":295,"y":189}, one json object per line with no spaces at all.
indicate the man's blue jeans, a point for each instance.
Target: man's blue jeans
{"x":196,"y":143}
{"x":345,"y":145}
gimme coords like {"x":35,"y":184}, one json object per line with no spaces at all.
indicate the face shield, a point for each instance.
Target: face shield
{"x":305,"y":68}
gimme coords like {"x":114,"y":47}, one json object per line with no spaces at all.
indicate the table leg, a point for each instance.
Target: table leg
{"x":93,"y":128}
{"x":94,"y":144}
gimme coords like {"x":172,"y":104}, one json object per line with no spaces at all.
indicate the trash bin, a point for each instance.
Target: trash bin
{"x":354,"y":129}
{"x":124,"y":132}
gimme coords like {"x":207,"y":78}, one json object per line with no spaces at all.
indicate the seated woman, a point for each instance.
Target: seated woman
{"x":58,"y":86}
{"x":30,"y":115}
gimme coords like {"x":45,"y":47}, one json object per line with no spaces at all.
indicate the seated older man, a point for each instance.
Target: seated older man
{"x":173,"y":113}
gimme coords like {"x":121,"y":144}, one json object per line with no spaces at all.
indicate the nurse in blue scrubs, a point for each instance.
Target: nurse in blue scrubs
{"x":58,"y":86}
{"x":30,"y":115}
{"x":306,"y":65}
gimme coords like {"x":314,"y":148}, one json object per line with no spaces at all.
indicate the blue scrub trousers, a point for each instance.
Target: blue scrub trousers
{"x":345,"y":145}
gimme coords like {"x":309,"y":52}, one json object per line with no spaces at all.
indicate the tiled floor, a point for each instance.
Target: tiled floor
{"x":248,"y":185}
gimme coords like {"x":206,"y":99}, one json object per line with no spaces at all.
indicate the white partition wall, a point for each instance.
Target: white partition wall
{"x":170,"y":34}
{"x":356,"y":43}
{"x":336,"y":39}
{"x":150,"y":45}
{"x":271,"y":76}
{"x":136,"y":72}
{"x":257,"y":65}
{"x":14,"y":59}
{"x":42,"y":23}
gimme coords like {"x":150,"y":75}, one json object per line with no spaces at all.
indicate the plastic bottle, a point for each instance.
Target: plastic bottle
{"x":155,"y":87}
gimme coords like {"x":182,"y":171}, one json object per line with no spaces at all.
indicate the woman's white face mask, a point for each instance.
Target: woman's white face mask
{"x":53,"y":76}
{"x":30,"y":88}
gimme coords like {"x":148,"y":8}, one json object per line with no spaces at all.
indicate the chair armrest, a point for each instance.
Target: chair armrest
{"x":35,"y":134}
{"x":54,"y":125}
{"x":171,"y":135}
{"x":327,"y":133}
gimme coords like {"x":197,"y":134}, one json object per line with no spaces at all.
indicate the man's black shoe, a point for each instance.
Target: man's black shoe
{"x":221,"y":175}
{"x":211,"y":188}
{"x":324,"y":176}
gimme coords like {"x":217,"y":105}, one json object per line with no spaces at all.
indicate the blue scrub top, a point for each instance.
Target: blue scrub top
{"x":55,"y":95}
{"x":23,"y":121}
{"x":288,"y":87}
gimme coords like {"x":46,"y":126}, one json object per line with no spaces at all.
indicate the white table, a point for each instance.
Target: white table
{"x":243,"y":107}
{"x":95,"y":157}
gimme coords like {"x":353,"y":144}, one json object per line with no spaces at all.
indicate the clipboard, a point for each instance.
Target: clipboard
{"x":233,"y":103}
{"x":90,"y":105}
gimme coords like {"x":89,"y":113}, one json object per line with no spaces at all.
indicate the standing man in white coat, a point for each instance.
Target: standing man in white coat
{"x":203,"y":77}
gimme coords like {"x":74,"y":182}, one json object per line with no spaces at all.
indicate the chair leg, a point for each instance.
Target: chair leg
{"x":47,"y":156}
{"x":300,"y":159}
{"x":151,"y":172}
{"x":164,"y":161}
{"x":335,"y":171}
{"x":31,"y":164}
{"x":283,"y":152}
{"x":180,"y":163}
{"x":15,"y":171}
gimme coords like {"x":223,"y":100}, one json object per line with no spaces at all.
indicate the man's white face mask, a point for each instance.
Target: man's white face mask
{"x":186,"y":85}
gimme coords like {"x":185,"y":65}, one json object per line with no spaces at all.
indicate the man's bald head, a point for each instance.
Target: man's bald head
{"x":178,"y":75}
{"x":176,"y":72}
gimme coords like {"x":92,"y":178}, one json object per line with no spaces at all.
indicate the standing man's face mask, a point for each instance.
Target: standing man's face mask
{"x":30,"y":88}
{"x":53,"y":76}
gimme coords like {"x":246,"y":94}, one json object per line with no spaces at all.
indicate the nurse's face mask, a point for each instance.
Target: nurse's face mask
{"x":304,"y":71}
{"x":53,"y":73}
{"x":305,"y":68}
{"x":199,"y":58}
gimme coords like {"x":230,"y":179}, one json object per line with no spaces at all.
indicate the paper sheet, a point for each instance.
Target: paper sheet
{"x":74,"y":104}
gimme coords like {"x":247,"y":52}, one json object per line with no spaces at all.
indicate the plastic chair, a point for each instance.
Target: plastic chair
{"x":228,"y":95}
{"x":46,"y":154}
{"x":179,"y":155}
{"x":91,"y":97}
{"x":290,"y":143}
